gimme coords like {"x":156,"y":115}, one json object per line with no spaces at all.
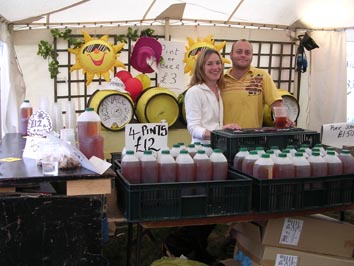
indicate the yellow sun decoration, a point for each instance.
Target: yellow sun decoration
{"x":194,"y":49}
{"x":96,"y":57}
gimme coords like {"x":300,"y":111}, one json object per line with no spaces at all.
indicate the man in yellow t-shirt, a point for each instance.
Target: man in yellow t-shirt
{"x":247,"y":89}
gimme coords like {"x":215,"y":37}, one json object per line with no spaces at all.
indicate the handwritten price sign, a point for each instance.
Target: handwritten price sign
{"x":150,"y":136}
{"x":338,"y":134}
{"x":171,"y":69}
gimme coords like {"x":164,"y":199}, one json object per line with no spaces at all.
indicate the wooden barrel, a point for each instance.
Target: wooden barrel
{"x":157,"y":104}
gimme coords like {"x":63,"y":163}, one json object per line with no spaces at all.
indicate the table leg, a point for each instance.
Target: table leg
{"x":138,"y":244}
{"x":129,"y":244}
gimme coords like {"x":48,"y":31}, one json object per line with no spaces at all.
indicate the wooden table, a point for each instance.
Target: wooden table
{"x":252,"y":216}
{"x":49,"y":220}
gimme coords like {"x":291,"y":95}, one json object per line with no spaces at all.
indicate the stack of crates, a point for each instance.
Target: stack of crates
{"x":278,"y":195}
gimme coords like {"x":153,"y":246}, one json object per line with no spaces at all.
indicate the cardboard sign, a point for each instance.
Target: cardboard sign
{"x":337,"y":135}
{"x":39,"y":124}
{"x":150,"y":136}
{"x":171,"y":68}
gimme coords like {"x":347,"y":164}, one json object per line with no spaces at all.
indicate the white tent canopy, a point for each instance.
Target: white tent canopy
{"x":328,"y":21}
{"x":288,"y":14}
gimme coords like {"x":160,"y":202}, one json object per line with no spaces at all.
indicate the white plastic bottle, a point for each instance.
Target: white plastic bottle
{"x":334,"y":164}
{"x":219,"y":164}
{"x":203,"y":166}
{"x":191,"y":150}
{"x":26,"y":111}
{"x":176,"y":148}
{"x":318,"y":164}
{"x":149,"y":168}
{"x":208,"y":149}
{"x":302,"y":165}
{"x":89,"y":134}
{"x":130,"y":167}
{"x":239,"y":157}
{"x":248,"y":162}
{"x":276,"y":150}
{"x":185,"y":167}
{"x":260,"y":150}
{"x":263,"y":167}
{"x":347,"y":160}
{"x":167,"y":167}
{"x":283,"y":167}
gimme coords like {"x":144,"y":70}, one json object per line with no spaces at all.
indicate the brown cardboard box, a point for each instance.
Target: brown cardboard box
{"x":249,"y":241}
{"x":316,"y":233}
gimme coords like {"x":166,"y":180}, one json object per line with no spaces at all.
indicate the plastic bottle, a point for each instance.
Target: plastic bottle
{"x":26,"y":111}
{"x":192,"y":150}
{"x":185,"y":167}
{"x":288,"y":153}
{"x":203,"y":166}
{"x":292,"y":150}
{"x":175,"y":150}
{"x":347,"y":160}
{"x":320,"y":147}
{"x":260,"y":151}
{"x":208,"y":149}
{"x":248,"y":162}
{"x":304,"y":153}
{"x":89,"y":130}
{"x":167,"y":167}
{"x":334,"y":164}
{"x":283,"y":167}
{"x":263,"y":167}
{"x":307,"y":148}
{"x":332,"y":149}
{"x":198,"y":145}
{"x":302,"y":165}
{"x":276,"y":150}
{"x":239,"y":157}
{"x":271,"y":154}
{"x":130,"y":167}
{"x":149,"y":168}
{"x":219,"y":164}
{"x":318,"y":164}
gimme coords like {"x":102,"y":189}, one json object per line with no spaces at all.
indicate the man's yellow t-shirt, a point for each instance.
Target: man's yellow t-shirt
{"x":244,"y":99}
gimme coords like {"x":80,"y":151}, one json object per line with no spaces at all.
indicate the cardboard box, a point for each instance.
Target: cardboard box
{"x":316,"y":233}
{"x":249,"y":241}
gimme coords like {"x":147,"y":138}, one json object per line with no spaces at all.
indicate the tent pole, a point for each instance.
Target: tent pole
{"x":167,"y":29}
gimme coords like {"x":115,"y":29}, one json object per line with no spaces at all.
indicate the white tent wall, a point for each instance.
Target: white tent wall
{"x":35,"y":68}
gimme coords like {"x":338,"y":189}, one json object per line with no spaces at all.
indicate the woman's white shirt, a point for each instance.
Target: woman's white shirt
{"x":203,"y":111}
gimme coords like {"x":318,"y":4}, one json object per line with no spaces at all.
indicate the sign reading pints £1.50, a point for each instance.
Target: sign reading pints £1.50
{"x":338,"y":134}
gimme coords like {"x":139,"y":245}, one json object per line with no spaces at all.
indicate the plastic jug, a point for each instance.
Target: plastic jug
{"x":203,"y":166}
{"x":26,"y":111}
{"x":149,"y":168}
{"x":89,"y":130}
{"x":167,"y":167}
{"x":347,"y":160}
{"x":130,"y":167}
{"x":239,"y":157}
{"x":219,"y":165}
{"x":263,"y":167}
{"x":302,"y":165}
{"x":283,"y":167}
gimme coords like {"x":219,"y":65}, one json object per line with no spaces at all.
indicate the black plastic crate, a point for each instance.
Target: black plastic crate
{"x":289,"y":194}
{"x":167,"y":201}
{"x":231,"y":141}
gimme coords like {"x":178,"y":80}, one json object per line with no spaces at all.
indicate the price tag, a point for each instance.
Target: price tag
{"x":286,"y":260}
{"x":149,"y":136}
{"x":171,"y":69}
{"x":291,"y":232}
{"x":39,"y":124}
{"x":338,"y":134}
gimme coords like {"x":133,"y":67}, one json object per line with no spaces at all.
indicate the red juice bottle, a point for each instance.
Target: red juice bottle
{"x":263,"y":167}
{"x":283,"y":167}
{"x":130,"y":168}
